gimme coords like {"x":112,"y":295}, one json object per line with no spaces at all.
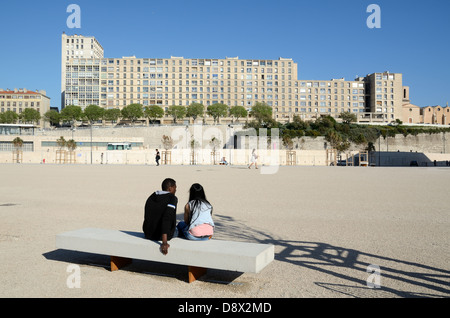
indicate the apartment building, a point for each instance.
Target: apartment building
{"x":18,"y":100}
{"x":118,"y":82}
{"x":385,"y":95}
{"x":75,"y":47}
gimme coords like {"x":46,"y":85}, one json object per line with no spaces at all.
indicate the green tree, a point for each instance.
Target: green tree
{"x":237,"y":112}
{"x":71,"y":144}
{"x":337,"y":141}
{"x":30,"y":115}
{"x":61,"y":142}
{"x":93,"y":113}
{"x":176,"y":112}
{"x":262,"y":113}
{"x":348,"y":118}
{"x":112,"y":114}
{"x":53,"y":117}
{"x":195,"y":110}
{"x":71,"y":114}
{"x":132,"y":112}
{"x":217,"y":110}
{"x":153,"y":112}
{"x":8,"y":117}
{"x":17,"y":142}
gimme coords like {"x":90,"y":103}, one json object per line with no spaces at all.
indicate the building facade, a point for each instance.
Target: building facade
{"x":89,"y":78}
{"x":18,"y":100}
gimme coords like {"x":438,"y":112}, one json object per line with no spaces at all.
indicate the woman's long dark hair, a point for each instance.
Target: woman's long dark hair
{"x":197,"y":194}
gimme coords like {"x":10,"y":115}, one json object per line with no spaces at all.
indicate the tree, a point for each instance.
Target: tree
{"x":167,"y":142}
{"x":176,"y":112}
{"x":93,"y":113}
{"x":132,"y":112}
{"x":30,"y":115}
{"x":9,"y":117}
{"x":61,"y":142}
{"x":237,"y":112}
{"x":262,"y":113}
{"x":153,"y":112}
{"x":53,"y":117}
{"x":71,"y":144}
{"x":195,"y":110}
{"x":217,"y":110}
{"x":17,"y":142}
{"x":71,"y":114}
{"x":112,"y":114}
{"x":337,"y":141}
{"x":348,"y":117}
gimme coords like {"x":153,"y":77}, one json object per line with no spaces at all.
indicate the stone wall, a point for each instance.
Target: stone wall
{"x":392,"y":151}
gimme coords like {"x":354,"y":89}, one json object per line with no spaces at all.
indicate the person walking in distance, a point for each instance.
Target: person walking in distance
{"x":157,"y":157}
{"x":254,"y":159}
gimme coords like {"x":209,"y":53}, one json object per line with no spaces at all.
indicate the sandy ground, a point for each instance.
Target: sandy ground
{"x":328,"y":224}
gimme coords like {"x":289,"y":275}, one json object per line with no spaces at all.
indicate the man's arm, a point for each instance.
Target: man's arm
{"x":169,"y":217}
{"x":165,"y":246}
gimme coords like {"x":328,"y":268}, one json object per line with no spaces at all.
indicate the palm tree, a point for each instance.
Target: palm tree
{"x":18,"y":144}
{"x":71,"y":145}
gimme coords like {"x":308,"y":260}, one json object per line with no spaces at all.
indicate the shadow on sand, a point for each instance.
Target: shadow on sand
{"x":346,"y":264}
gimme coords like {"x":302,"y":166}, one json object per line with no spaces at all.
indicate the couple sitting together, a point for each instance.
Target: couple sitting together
{"x":160,"y":215}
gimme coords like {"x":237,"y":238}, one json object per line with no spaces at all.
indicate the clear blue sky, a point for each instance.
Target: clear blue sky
{"x":327,"y":38}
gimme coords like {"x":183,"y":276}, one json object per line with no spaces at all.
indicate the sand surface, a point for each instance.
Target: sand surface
{"x":328,"y":224}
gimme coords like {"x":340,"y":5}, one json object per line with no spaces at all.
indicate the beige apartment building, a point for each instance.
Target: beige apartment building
{"x":89,"y":78}
{"x":18,"y":100}
{"x":75,"y":47}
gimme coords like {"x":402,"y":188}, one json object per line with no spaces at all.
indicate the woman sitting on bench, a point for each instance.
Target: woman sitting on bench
{"x":198,"y":224}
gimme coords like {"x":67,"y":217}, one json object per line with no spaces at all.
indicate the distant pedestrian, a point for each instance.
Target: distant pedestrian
{"x":253,"y":159}
{"x":157,"y":157}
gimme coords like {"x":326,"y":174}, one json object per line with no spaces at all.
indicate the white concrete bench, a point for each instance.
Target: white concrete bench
{"x":197,"y":255}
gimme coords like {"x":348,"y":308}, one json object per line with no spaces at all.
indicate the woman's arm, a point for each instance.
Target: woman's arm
{"x":187,"y":213}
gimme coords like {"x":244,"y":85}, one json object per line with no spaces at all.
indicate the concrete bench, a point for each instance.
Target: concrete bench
{"x":197,"y":255}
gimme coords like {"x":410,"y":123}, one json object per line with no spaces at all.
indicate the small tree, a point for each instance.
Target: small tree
{"x":195,"y":110}
{"x":8,"y":117}
{"x":153,"y":112}
{"x":71,"y":145}
{"x":112,"y":114}
{"x":348,"y":118}
{"x":176,"y":112}
{"x":30,"y":115}
{"x":216,"y":111}
{"x":167,"y":142}
{"x":53,"y":117}
{"x":262,"y":113}
{"x":71,"y":114}
{"x":132,"y":112}
{"x":61,"y":154}
{"x":61,"y":142}
{"x":18,"y":144}
{"x":214,"y":144}
{"x":93,"y":113}
{"x":237,"y":112}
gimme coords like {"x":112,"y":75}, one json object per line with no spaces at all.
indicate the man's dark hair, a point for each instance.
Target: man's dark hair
{"x":167,"y":183}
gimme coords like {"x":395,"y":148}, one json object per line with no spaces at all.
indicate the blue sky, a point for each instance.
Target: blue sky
{"x":327,"y":38}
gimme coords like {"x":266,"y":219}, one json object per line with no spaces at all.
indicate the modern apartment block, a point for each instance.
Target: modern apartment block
{"x":75,"y":47}
{"x":89,"y":78}
{"x":18,"y":100}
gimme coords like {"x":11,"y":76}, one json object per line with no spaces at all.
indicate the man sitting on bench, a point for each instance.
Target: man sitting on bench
{"x":160,"y":215}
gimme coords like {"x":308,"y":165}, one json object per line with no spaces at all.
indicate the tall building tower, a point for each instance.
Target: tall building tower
{"x":385,"y":95}
{"x":76,"y":47}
